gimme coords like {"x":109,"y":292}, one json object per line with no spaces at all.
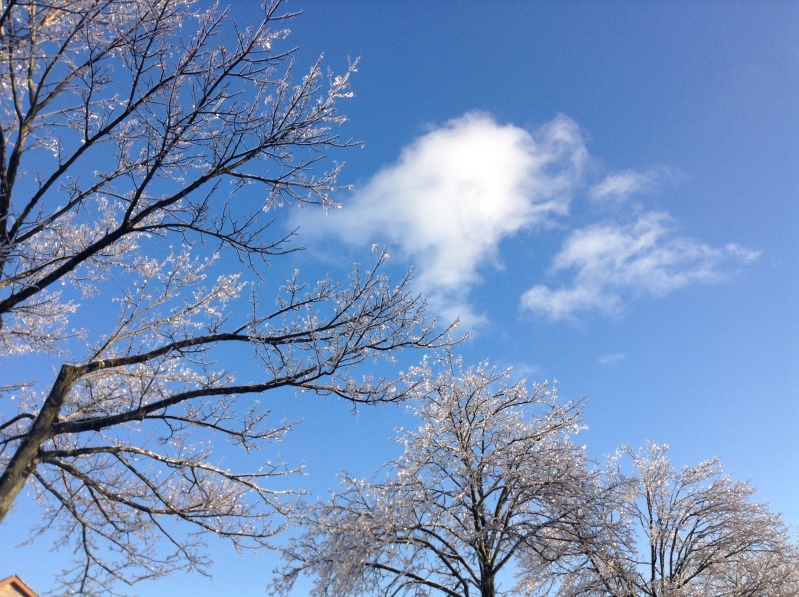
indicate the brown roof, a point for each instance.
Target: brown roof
{"x":14,"y":587}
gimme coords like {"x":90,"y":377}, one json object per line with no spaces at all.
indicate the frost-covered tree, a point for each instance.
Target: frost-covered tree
{"x":490,"y":475}
{"x":692,"y":532}
{"x":140,"y":140}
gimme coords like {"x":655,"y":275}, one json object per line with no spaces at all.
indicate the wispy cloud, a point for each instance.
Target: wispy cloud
{"x":521,"y":370}
{"x":455,"y":193}
{"x":612,"y":263}
{"x":619,"y":186}
{"x":610,"y":359}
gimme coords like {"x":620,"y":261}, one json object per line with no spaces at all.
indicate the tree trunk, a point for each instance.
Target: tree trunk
{"x":487,"y":588}
{"x":23,"y":463}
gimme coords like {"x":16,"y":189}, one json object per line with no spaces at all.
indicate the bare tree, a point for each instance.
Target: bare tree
{"x":680,"y":533}
{"x":140,"y":140}
{"x":491,"y":474}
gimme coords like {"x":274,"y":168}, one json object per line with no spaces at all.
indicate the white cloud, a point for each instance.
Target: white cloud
{"x":613,"y":262}
{"x":610,"y":359}
{"x":521,"y":370}
{"x":455,"y":193}
{"x":620,"y":185}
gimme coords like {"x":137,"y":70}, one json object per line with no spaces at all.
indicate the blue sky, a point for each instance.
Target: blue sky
{"x":604,"y":193}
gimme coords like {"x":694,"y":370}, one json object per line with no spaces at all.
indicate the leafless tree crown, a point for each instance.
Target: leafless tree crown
{"x":490,"y":475}
{"x":141,"y":138}
{"x":666,"y":532}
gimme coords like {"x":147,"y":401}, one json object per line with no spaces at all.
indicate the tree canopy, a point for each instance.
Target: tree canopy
{"x":143,"y":142}
{"x":491,"y":474}
{"x":491,"y":487}
{"x":670,"y":532}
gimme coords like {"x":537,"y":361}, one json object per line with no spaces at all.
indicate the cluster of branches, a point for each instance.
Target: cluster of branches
{"x":139,"y":139}
{"x":667,"y":532}
{"x":478,"y":483}
{"x":492,"y":480}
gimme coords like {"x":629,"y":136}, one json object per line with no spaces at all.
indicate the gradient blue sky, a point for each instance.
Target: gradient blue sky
{"x":605,"y":193}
